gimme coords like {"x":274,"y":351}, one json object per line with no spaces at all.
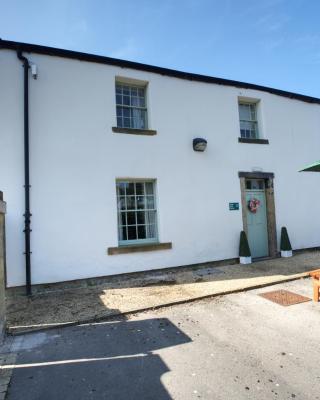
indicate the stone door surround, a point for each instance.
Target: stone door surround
{"x":268,"y":177}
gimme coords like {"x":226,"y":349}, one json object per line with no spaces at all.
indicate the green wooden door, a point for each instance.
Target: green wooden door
{"x":257,"y":224}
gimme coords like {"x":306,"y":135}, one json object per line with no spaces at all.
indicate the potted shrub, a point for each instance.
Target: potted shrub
{"x":285,"y":245}
{"x":244,"y":249}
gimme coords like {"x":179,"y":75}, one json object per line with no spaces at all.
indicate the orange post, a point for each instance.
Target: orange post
{"x":316,"y":285}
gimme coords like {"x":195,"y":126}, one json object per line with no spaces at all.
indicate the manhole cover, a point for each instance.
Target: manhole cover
{"x":284,"y":297}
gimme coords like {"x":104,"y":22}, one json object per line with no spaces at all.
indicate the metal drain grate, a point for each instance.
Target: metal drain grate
{"x":284,"y":297}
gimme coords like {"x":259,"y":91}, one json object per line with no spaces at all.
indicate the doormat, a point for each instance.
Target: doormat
{"x":284,"y":297}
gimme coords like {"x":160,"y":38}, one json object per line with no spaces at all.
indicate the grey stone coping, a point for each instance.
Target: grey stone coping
{"x":254,"y":141}
{"x":3,"y":207}
{"x":132,"y":131}
{"x":138,"y":248}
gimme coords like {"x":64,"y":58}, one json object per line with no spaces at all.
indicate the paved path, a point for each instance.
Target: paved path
{"x":131,"y":294}
{"x":239,"y":347}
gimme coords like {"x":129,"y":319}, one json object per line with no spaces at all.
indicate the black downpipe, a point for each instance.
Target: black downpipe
{"x":27,"y":214}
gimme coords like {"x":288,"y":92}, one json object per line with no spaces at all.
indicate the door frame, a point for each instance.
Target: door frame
{"x":268,"y":177}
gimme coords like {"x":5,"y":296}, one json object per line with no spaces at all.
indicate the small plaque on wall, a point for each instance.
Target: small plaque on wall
{"x":233,"y":206}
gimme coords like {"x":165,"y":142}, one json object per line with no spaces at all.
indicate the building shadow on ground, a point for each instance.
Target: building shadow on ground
{"x":110,"y":360}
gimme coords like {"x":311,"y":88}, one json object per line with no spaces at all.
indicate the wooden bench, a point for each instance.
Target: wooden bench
{"x":316,"y":284}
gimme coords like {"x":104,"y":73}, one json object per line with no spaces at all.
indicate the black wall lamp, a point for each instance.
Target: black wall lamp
{"x":199,"y":144}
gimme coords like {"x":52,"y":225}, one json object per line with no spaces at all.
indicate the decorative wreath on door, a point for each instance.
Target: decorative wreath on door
{"x":253,"y":205}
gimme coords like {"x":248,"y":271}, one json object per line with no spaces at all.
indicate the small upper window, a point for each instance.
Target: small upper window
{"x":255,"y":184}
{"x":248,"y":120}
{"x":131,"y":106}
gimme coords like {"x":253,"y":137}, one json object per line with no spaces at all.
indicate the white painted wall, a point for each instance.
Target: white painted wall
{"x":75,"y":160}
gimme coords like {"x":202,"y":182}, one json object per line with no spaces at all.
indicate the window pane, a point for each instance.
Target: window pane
{"x":150,"y":202}
{"x":149,"y":187}
{"x":118,"y":89}
{"x":126,"y":90}
{"x":139,"y":188}
{"x":138,"y":118}
{"x":122,"y":203}
{"x":255,"y":184}
{"x":131,"y":203}
{"x":248,"y":129}
{"x":244,"y":112}
{"x":134,"y":91}
{"x":126,"y":100}
{"x":253,"y":112}
{"x":140,"y":202}
{"x":119,"y":122}
{"x":132,"y":233}
{"x":131,"y":218}
{"x":135,"y":101}
{"x":130,"y":189}
{"x":119,"y":111}
{"x":141,"y":218}
{"x":258,"y":184}
{"x":151,"y":231}
{"x":123,"y":233}
{"x":141,"y":102}
{"x":121,"y":188}
{"x":142,"y":232}
{"x":150,"y":217}
{"x":123,"y":219}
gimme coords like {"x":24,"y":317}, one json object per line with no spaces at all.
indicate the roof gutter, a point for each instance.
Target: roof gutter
{"x":27,"y":214}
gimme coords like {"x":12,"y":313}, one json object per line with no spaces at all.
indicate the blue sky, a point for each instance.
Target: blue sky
{"x":269,"y":42}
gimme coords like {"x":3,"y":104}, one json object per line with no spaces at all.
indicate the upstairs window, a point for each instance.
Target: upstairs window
{"x":137,"y":219}
{"x":248,"y":120}
{"x":131,"y":106}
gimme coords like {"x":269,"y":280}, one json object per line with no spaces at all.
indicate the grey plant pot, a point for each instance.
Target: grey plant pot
{"x":286,"y":253}
{"x":245,"y":260}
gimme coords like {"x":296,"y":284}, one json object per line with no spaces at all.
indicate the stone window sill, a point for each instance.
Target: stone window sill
{"x":136,"y":248}
{"x":255,"y":141}
{"x":131,"y":131}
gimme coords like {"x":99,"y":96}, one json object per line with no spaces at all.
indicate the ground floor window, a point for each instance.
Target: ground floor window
{"x":137,"y":219}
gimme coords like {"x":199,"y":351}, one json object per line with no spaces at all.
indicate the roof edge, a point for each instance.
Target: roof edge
{"x":53,"y":51}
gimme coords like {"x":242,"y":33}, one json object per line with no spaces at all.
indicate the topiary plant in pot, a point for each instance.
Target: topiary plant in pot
{"x":244,"y":249}
{"x":285,"y":245}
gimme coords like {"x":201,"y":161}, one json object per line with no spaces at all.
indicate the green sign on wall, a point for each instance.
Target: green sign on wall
{"x":233,"y":206}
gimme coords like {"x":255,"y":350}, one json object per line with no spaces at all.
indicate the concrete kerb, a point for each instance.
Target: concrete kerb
{"x":2,"y":268}
{"x":7,"y":358}
{"x":92,"y":320}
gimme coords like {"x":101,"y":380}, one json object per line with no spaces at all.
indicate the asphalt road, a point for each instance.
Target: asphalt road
{"x":239,"y":346}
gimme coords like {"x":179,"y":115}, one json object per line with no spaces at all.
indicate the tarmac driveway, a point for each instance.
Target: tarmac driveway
{"x":239,"y":346}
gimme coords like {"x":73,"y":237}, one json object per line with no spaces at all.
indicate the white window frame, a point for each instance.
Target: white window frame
{"x":120,"y":211}
{"x":254,"y":121}
{"x":130,"y":107}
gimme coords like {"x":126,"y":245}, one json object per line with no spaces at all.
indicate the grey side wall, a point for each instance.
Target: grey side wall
{"x":2,"y":263}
